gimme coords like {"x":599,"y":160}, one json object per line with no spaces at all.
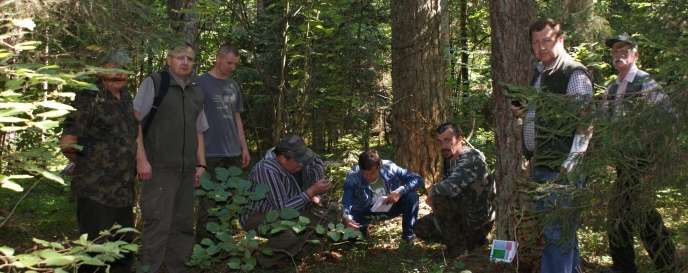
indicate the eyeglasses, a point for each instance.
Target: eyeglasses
{"x":182,"y":58}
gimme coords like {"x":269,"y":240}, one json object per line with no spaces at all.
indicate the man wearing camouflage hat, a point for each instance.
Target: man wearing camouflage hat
{"x":99,"y":138}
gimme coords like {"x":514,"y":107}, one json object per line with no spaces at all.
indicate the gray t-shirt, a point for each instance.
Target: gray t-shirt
{"x":222,"y":102}
{"x":145,"y":96}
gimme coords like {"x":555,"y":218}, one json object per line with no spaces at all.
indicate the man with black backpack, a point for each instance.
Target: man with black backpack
{"x":170,"y":160}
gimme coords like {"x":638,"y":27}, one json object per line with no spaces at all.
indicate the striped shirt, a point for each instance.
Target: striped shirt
{"x":283,"y":189}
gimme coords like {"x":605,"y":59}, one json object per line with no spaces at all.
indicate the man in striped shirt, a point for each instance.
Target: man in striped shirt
{"x":276,"y":172}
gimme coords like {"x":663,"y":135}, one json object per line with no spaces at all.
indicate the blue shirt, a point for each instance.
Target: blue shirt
{"x":359,"y":196}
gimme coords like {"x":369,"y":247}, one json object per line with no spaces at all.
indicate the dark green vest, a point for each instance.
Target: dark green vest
{"x":633,"y":89}
{"x":171,"y":140}
{"x":553,"y":123}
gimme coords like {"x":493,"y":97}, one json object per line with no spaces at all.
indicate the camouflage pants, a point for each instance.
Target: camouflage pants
{"x":452,"y":224}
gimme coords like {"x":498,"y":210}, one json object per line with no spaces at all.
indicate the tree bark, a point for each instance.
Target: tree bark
{"x":419,"y":38}
{"x":511,"y":64}
{"x":183,"y":22}
{"x":463,"y":44}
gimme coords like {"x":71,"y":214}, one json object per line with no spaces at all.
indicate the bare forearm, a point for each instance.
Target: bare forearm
{"x":200,"y":151}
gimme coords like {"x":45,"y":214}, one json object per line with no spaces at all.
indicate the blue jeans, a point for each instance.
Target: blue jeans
{"x":407,"y":206}
{"x":561,"y":253}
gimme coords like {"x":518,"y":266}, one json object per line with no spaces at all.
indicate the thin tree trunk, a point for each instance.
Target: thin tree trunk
{"x":419,"y":39}
{"x":511,"y":64}
{"x":280,"y":120}
{"x":463,"y":44}
{"x":184,"y":22}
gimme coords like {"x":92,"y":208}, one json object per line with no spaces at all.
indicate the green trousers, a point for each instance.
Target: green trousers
{"x":167,"y":210}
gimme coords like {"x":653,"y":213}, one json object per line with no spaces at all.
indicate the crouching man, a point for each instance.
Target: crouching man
{"x":374,"y":185}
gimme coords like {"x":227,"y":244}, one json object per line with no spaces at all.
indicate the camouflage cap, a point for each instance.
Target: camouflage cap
{"x":116,"y":57}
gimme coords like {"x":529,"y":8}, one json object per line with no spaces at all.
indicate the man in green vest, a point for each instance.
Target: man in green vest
{"x":555,"y":140}
{"x":629,"y":207}
{"x":170,"y":160}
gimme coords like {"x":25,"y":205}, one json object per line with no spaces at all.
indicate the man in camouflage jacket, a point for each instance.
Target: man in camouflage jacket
{"x":99,"y":138}
{"x":461,"y":208}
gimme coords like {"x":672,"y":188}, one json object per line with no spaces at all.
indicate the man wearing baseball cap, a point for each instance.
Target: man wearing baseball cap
{"x":276,"y":172}
{"x":627,"y":211}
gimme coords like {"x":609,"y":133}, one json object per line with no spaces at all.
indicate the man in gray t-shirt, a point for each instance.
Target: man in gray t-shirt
{"x":225,"y":143}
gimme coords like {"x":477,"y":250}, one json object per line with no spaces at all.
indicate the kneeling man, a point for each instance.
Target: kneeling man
{"x":377,"y":189}
{"x":460,"y":215}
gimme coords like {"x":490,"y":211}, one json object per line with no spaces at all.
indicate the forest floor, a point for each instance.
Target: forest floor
{"x":48,"y":213}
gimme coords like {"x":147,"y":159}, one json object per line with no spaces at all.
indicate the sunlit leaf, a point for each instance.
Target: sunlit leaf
{"x":7,"y":251}
{"x":55,"y":105}
{"x":26,"y":23}
{"x":11,"y":120}
{"x":53,"y":114}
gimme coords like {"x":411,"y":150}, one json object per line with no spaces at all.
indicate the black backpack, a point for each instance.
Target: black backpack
{"x":161,"y":88}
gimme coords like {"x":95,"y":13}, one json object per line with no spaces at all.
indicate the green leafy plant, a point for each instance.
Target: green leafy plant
{"x":62,"y":257}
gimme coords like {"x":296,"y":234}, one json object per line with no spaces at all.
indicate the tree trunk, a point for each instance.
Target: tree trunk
{"x":463,"y":44}
{"x":183,"y":22}
{"x":511,"y":64}
{"x":419,"y":37}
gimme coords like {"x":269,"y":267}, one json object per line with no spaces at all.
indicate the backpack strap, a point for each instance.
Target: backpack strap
{"x":161,"y":87}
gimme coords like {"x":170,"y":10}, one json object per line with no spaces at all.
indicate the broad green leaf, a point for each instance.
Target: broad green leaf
{"x":234,"y":263}
{"x":263,"y":229}
{"x":267,"y":251}
{"x":83,"y":239}
{"x":221,"y":174}
{"x":207,"y":242}
{"x":7,"y":251}
{"x":234,"y":171}
{"x":304,"y":220}
{"x":14,"y":84}
{"x":278,"y":229}
{"x":288,"y":213}
{"x":41,"y":242}
{"x":19,"y":106}
{"x":319,"y":229}
{"x":212,"y":226}
{"x":26,"y":23}
{"x":130,"y":247}
{"x":252,"y":244}
{"x":61,"y":260}
{"x":49,"y":175}
{"x":271,"y":216}
{"x":90,"y":260}
{"x":7,"y":184}
{"x":259,"y":192}
{"x":223,"y":236}
{"x":298,"y":228}
{"x":335,"y":236}
{"x":287,"y":223}
{"x":46,"y":125}
{"x":5,"y":54}
{"x":239,"y":199}
{"x":28,"y":260}
{"x":11,"y":120}
{"x":53,"y":114}
{"x":212,"y":250}
{"x":55,"y":105}
{"x":206,"y":183}
{"x":13,"y":128}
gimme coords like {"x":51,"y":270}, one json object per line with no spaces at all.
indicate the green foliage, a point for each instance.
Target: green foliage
{"x":238,"y":250}
{"x":68,"y":256}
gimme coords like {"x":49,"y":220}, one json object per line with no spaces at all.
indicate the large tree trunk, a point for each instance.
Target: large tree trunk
{"x":183,"y":22}
{"x":419,"y":37}
{"x":511,"y":64}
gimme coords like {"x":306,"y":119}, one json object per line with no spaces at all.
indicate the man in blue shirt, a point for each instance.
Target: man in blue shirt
{"x":379,"y":181}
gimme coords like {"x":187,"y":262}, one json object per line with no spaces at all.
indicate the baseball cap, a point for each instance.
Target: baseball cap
{"x":294,"y":147}
{"x":623,"y":37}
